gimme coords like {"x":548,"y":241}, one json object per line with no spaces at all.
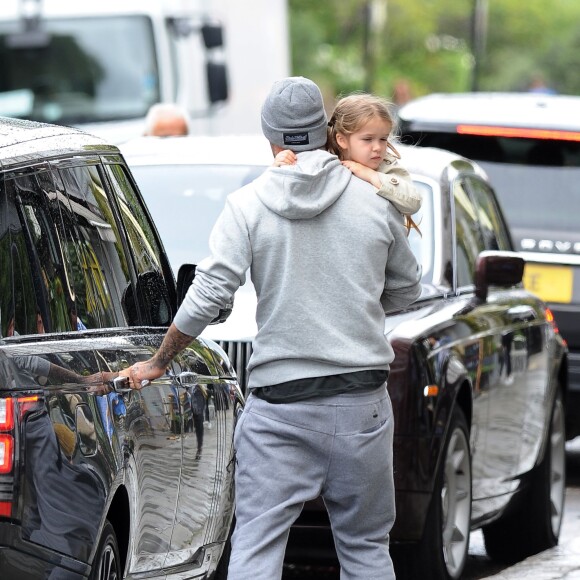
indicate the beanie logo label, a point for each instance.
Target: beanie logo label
{"x":296,"y":138}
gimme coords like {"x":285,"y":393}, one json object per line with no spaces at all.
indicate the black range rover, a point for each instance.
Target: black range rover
{"x":97,"y":480}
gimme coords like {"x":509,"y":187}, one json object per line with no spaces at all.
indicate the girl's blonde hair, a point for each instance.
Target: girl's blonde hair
{"x":350,"y":114}
{"x":354,"y":111}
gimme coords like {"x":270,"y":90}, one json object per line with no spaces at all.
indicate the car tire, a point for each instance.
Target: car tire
{"x":221,"y":572}
{"x":535,"y":525}
{"x":442,"y":552}
{"x":107,"y":562}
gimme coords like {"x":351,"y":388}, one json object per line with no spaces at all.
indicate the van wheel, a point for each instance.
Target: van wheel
{"x":442,"y":552}
{"x":535,"y":525}
{"x":107,"y":563}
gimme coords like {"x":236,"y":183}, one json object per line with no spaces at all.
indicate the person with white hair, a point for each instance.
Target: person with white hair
{"x":167,"y":120}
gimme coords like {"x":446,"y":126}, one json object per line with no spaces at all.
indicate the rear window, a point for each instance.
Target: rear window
{"x":536,"y":180}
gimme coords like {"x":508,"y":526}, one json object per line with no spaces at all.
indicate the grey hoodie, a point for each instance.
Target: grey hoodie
{"x":327,"y":257}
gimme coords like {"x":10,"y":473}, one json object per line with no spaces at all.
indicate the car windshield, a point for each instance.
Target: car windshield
{"x":68,"y":73}
{"x":185,"y":201}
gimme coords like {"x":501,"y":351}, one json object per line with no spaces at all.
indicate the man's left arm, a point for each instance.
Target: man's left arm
{"x":141,"y":373}
{"x":216,"y":281}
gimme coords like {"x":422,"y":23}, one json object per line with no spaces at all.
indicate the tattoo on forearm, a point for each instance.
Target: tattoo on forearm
{"x":173,"y":343}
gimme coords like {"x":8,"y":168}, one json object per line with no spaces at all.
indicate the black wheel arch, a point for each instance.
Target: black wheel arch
{"x":119,"y":515}
{"x":455,"y":394}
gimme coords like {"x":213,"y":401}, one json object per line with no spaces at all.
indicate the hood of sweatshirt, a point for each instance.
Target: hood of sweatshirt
{"x":303,"y":190}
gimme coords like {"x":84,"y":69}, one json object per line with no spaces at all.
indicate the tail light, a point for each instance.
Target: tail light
{"x":6,"y":435}
{"x":550,"y":318}
{"x":6,"y":453}
{"x":6,"y":450}
{"x":6,"y":414}
{"x":12,"y":409}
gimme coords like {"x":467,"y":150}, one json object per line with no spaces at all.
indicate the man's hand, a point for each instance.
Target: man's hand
{"x":142,"y":373}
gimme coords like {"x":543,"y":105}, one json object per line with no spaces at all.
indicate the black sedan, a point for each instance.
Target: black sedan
{"x":478,"y":386}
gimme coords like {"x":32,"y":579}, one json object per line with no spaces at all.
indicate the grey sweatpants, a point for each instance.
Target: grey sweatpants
{"x":339,"y":447}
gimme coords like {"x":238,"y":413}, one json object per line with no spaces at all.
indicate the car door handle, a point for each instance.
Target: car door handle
{"x":120,"y":385}
{"x":521,"y":313}
{"x":187,"y":378}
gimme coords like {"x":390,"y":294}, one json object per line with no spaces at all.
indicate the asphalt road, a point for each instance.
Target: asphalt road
{"x":560,"y":562}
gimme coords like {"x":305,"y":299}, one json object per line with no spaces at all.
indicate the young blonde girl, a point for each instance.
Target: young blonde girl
{"x":359,"y":133}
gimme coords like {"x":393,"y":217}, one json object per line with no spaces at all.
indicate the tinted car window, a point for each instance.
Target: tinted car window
{"x":469,"y":241}
{"x":523,"y":169}
{"x":98,"y":264}
{"x":18,"y":305}
{"x":41,"y":237}
{"x":152,"y":287}
{"x":492,"y":225}
{"x":550,"y":195}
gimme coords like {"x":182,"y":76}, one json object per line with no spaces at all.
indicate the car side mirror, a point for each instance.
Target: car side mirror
{"x":185,"y":277}
{"x":494,"y":268}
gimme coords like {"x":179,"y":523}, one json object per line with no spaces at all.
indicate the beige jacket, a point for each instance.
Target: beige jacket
{"x":398,"y":187}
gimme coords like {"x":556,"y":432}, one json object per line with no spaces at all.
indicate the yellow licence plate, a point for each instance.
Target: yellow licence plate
{"x":550,"y":283}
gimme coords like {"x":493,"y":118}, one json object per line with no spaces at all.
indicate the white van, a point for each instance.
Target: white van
{"x":101,"y":65}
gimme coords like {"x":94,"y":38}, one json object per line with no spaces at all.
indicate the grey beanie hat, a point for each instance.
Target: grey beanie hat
{"x":293,"y":115}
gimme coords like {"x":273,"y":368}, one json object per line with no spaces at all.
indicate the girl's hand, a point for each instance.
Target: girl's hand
{"x":285,"y":157}
{"x":363,"y":172}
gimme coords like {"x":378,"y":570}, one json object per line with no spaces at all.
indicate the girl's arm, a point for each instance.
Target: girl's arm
{"x":363,"y":172}
{"x":398,"y":187}
{"x":393,"y":182}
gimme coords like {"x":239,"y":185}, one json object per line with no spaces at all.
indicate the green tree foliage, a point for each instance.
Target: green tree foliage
{"x":347,"y":45}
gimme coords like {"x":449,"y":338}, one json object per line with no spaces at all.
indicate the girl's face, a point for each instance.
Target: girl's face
{"x":368,"y":145}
